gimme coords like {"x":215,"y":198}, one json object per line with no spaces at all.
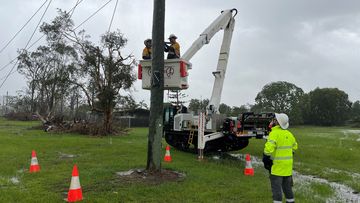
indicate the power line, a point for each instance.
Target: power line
{"x":44,"y":35}
{"x":32,"y":35}
{"x":93,"y":14}
{"x":72,"y":12}
{"x":36,"y":41}
{"x":112,"y":17}
{"x":27,"y":22}
{"x":2,"y":68}
{"x":73,"y":9}
{"x":7,"y":76}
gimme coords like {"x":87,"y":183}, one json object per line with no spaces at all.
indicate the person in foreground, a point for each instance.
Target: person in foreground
{"x":278,"y":158}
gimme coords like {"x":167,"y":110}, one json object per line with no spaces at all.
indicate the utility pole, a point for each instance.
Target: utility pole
{"x":157,"y":88}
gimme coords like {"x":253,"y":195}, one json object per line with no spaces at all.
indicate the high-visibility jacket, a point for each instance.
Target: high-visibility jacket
{"x":280,"y":146}
{"x":173,"y":51}
{"x":146,"y":53}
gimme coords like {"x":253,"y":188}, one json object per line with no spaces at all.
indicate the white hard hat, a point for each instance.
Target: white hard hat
{"x":172,"y":36}
{"x":283,"y":120}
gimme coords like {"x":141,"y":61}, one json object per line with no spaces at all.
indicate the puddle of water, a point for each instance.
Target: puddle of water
{"x":216,"y":157}
{"x":14,"y":180}
{"x":4,"y":182}
{"x":343,"y":193}
{"x":351,"y":174}
{"x":21,"y":170}
{"x":351,"y":131}
{"x":64,"y":156}
{"x":125,"y":173}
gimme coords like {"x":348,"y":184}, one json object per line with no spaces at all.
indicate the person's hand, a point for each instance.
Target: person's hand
{"x":267,"y":162}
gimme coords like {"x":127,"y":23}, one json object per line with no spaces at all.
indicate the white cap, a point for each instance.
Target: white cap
{"x":283,"y":120}
{"x":172,"y":36}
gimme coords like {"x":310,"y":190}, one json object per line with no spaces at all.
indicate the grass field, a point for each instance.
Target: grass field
{"x":328,"y":160}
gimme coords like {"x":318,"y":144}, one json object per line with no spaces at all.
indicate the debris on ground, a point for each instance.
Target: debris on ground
{"x":144,"y":176}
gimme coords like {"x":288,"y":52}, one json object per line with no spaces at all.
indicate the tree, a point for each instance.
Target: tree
{"x":280,"y":97}
{"x":197,"y":105}
{"x":70,"y":61}
{"x":107,"y":72}
{"x":225,"y":109}
{"x":50,"y":66}
{"x":236,"y":111}
{"x":126,"y":103}
{"x":328,"y":106}
{"x":176,"y":97}
{"x":355,"y":113}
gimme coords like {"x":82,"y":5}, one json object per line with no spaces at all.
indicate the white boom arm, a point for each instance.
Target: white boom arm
{"x":224,"y":22}
{"x":208,"y":121}
{"x":219,"y":23}
{"x":221,"y":69}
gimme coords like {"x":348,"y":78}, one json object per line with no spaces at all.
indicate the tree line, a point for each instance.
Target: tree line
{"x":70,"y":74}
{"x":321,"y":106}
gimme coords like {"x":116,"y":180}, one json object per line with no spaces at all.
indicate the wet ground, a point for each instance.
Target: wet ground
{"x":144,"y":176}
{"x":343,"y":193}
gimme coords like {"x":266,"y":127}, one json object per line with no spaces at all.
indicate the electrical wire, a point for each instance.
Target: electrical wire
{"x":112,"y":17}
{"x":72,"y":12}
{"x":93,"y":14}
{"x":32,"y":35}
{"x":36,"y":41}
{"x":27,"y":22}
{"x":73,"y":9}
{"x":10,"y":72}
{"x":7,"y":76}
{"x":2,"y":68}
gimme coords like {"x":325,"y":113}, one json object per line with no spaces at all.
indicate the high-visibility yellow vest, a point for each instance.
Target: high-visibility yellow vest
{"x":280,"y":146}
{"x":146,"y":53}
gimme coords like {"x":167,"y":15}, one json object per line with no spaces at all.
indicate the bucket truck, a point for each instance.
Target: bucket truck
{"x":210,"y":130}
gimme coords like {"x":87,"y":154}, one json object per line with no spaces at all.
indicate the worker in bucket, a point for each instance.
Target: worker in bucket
{"x":278,"y":158}
{"x":147,"y":50}
{"x":173,"y":49}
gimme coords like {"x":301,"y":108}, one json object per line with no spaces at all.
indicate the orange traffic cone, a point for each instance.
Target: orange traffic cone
{"x":75,"y":192}
{"x":34,"y":165}
{"x":167,"y":157}
{"x":249,"y":170}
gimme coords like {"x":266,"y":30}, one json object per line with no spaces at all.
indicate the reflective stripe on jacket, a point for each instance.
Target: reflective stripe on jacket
{"x":280,"y":146}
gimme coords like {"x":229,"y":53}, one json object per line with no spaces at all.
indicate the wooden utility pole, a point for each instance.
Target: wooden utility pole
{"x":157,"y":88}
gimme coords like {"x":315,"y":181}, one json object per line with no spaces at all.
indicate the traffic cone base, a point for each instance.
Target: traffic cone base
{"x":75,"y":195}
{"x":75,"y":192}
{"x":249,"y":170}
{"x":34,"y":169}
{"x":34,"y":165}
{"x":167,"y":157}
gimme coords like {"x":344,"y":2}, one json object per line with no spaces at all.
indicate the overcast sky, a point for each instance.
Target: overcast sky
{"x":305,"y":42}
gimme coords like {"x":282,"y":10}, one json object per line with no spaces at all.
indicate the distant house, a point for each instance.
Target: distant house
{"x":5,"y":109}
{"x":128,"y":118}
{"x":133,"y":118}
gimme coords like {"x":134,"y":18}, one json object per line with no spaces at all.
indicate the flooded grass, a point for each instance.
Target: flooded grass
{"x":326,"y":165}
